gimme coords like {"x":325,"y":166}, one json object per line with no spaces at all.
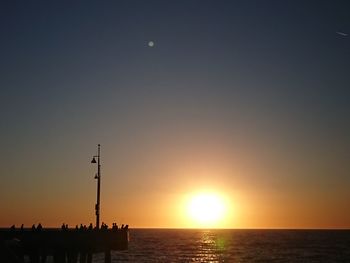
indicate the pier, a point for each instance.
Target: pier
{"x":65,"y":246}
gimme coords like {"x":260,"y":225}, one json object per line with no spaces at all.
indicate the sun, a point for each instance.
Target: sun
{"x":206,"y":209}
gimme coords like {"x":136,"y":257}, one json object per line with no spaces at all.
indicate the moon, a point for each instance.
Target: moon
{"x":151,"y":44}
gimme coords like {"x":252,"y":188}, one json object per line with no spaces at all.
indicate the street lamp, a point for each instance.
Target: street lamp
{"x":98,"y":177}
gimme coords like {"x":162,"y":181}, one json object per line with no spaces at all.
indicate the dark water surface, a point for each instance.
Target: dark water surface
{"x":154,"y":245}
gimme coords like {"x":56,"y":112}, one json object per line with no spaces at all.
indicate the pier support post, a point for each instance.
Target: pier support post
{"x":34,"y":256}
{"x":59,"y":256}
{"x":108,"y":256}
{"x":72,"y":256}
{"x":89,"y":257}
{"x":82,"y":258}
{"x":43,"y":257}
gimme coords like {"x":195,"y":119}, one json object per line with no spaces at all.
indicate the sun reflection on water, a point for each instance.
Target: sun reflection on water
{"x":211,"y":247}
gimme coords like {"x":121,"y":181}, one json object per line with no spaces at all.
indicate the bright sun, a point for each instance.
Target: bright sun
{"x":206,"y":209}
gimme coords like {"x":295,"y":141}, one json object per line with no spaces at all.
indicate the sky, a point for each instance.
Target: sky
{"x":245,"y":99}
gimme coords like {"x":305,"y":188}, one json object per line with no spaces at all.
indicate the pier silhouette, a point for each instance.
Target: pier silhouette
{"x":65,"y":245}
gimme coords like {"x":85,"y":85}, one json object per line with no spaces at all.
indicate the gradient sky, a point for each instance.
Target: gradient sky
{"x":249,"y":99}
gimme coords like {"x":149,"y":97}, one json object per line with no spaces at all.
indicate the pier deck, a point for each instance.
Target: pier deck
{"x":64,"y":245}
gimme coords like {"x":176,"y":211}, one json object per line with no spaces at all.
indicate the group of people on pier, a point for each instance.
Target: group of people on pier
{"x":39,"y":227}
{"x":115,"y":226}
{"x":82,"y":227}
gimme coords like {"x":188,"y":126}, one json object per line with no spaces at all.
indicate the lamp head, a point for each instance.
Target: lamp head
{"x":93,"y":160}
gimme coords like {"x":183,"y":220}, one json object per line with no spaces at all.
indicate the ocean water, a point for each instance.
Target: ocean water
{"x":161,"y":245}
{"x":154,"y":245}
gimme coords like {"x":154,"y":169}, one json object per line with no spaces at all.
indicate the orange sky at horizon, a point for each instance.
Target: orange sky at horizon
{"x":169,"y":211}
{"x":160,"y":202}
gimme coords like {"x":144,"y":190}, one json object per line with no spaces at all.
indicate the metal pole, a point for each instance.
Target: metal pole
{"x":98,"y":189}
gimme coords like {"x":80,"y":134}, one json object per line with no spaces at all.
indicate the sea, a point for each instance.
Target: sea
{"x":180,"y":245}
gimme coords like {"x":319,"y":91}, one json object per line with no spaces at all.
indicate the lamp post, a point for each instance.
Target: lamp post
{"x":98,"y":177}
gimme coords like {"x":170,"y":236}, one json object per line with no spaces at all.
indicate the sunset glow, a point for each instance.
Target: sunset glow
{"x":206,"y":210}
